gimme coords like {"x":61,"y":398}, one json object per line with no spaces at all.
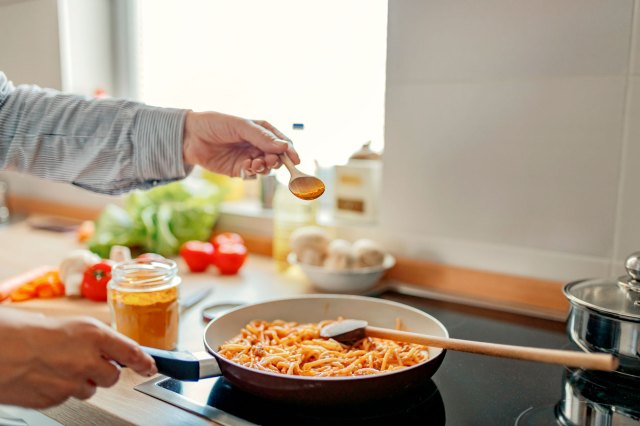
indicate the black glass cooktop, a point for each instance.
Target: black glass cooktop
{"x":466,"y":390}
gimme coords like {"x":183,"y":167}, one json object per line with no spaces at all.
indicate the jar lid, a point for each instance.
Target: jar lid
{"x":620,"y":299}
{"x":365,"y":153}
{"x":144,"y":275}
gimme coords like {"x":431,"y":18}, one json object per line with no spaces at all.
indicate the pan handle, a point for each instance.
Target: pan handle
{"x":186,"y":366}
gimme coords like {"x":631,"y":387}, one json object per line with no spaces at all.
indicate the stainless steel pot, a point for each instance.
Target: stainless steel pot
{"x":605,"y":316}
{"x":595,"y":398}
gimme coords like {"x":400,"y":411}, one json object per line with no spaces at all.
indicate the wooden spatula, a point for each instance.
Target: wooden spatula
{"x":349,"y":331}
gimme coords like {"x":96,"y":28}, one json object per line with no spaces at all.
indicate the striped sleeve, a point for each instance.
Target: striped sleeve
{"x":108,"y":146}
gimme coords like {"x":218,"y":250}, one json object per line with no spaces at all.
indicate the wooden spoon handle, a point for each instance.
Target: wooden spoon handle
{"x":605,"y":362}
{"x":289,"y":164}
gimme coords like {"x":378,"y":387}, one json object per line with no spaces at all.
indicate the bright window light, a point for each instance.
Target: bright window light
{"x":320,"y":63}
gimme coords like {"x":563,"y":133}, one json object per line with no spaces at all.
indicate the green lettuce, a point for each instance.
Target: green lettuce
{"x":159,"y":220}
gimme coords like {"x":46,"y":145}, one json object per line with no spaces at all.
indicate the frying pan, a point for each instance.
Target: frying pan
{"x":305,"y":389}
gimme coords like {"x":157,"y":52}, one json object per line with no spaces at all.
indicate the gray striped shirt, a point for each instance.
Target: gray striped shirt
{"x":109,"y":146}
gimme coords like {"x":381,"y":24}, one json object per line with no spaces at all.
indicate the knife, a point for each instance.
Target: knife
{"x":193,"y":299}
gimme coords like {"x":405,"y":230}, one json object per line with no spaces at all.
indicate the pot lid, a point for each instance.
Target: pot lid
{"x":619,"y":298}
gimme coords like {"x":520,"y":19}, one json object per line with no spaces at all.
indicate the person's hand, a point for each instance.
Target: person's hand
{"x":233,"y":146}
{"x":44,"y":361}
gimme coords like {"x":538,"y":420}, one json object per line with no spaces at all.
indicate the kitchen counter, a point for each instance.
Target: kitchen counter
{"x":23,"y":248}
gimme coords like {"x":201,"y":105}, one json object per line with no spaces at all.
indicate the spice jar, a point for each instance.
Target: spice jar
{"x":357,"y":186}
{"x":143,"y":299}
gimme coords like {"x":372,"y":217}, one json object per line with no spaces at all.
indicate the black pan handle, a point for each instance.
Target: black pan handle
{"x":186,"y":366}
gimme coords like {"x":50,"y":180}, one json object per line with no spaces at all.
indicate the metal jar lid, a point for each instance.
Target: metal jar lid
{"x":619,"y":299}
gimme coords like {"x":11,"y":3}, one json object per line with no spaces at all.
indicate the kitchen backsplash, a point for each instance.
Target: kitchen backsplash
{"x":511,"y":134}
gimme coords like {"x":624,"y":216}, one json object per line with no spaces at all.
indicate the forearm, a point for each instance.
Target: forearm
{"x":108,"y":146}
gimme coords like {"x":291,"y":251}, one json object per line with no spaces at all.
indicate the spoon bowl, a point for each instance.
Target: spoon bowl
{"x":302,"y":185}
{"x":306,"y":187}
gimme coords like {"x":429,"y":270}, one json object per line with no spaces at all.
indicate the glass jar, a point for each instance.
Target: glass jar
{"x":143,"y":299}
{"x":289,"y":214}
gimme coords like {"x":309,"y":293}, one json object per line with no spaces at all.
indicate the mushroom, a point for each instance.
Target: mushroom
{"x":310,"y":244}
{"x":72,"y":270}
{"x":367,"y":253}
{"x":339,"y":256}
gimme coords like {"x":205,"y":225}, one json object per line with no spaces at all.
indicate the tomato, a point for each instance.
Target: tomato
{"x":95,"y":280}
{"x":197,"y":255}
{"x":229,"y":257}
{"x":226,"y":238}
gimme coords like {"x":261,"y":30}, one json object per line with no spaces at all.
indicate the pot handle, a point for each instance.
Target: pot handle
{"x":186,"y":366}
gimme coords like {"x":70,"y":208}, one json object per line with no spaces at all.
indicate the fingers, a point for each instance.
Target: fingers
{"x":245,"y":170}
{"x":267,"y":138}
{"x":262,"y":138}
{"x":267,"y":144}
{"x":247,"y":175}
{"x":76,"y":360}
{"x":293,"y":154}
{"x":38,"y":390}
{"x":272,"y":161}
{"x":105,"y":374}
{"x":125,"y":351}
{"x":85,"y":391}
{"x":272,"y":129}
{"x":258,"y":166}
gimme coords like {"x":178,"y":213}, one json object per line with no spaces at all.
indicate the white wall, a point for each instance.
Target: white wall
{"x":511,"y":129}
{"x":29,"y":48}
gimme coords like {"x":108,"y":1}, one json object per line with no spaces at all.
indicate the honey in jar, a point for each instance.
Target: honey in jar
{"x":143,"y":299}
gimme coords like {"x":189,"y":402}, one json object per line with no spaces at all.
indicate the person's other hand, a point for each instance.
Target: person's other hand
{"x":233,"y":146}
{"x":44,"y":361}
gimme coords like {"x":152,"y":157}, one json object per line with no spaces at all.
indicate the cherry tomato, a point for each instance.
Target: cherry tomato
{"x":229,"y":257}
{"x":95,"y":280}
{"x":226,"y":238}
{"x":197,"y":255}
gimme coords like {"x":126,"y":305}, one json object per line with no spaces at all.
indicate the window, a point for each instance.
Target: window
{"x":319,"y":63}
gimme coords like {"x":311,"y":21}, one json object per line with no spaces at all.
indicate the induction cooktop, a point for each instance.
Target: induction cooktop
{"x":467,"y":389}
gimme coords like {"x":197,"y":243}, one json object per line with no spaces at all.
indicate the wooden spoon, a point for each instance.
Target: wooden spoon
{"x":301,"y":184}
{"x":349,"y":331}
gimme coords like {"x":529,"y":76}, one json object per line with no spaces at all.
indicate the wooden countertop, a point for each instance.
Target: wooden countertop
{"x":23,"y":248}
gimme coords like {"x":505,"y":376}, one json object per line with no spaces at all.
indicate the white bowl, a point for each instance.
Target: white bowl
{"x":344,"y":281}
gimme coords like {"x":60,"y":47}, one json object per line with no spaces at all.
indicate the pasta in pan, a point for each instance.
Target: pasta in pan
{"x":297,"y":349}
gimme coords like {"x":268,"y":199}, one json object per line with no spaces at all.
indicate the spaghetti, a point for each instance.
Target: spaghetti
{"x":297,"y":349}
